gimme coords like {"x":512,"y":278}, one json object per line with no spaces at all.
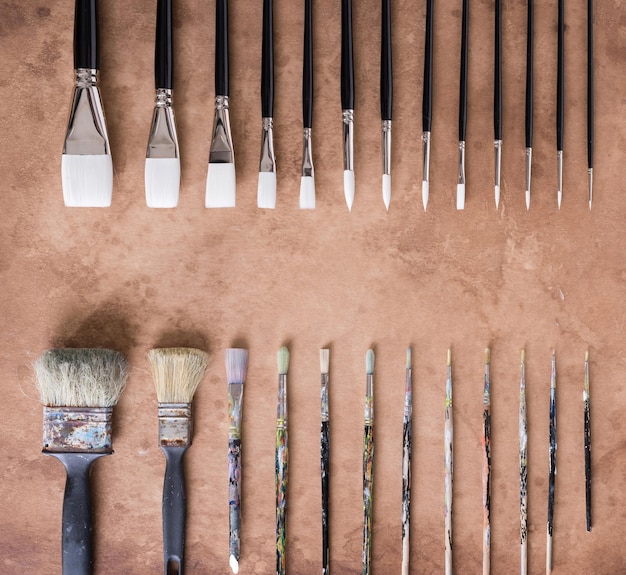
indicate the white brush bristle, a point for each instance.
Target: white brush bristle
{"x":307,"y":193}
{"x":87,"y":181}
{"x":324,"y":360}
{"x":162,"y":177}
{"x":220,"y":186}
{"x":234,"y":564}
{"x":386,"y":190}
{"x":266,"y":191}
{"x":177,"y":372}
{"x":283,"y":360}
{"x":369,"y":361}
{"x":425,"y":190}
{"x":236,"y":365}
{"x":348,"y":187}
{"x":408,"y":357}
{"x":497,"y":194}
{"x":460,"y":196}
{"x":528,"y":199}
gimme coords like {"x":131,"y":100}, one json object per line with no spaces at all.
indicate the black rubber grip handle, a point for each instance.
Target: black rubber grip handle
{"x":530,"y":64}
{"x":427,"y":98}
{"x":163,"y":57}
{"x":560,"y":79}
{"x":267,"y":60}
{"x":386,"y":73}
{"x":497,"y":80}
{"x":463,"y":82}
{"x":174,"y":511}
{"x":86,"y":34}
{"x":347,"y":57}
{"x":307,"y":68}
{"x":221,"y":48}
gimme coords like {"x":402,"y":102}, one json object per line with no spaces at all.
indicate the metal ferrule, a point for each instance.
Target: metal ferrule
{"x":486,"y":388}
{"x":559,"y":168}
{"x":449,"y":387}
{"x":86,"y":129}
{"x":369,"y":400}
{"x":348,"y":140}
{"x":324,"y":397}
{"x":77,"y":429}
{"x":387,"y":147}
{"x":281,"y":408}
{"x":408,"y":396}
{"x":461,"y":179}
{"x":163,"y":142}
{"x":175,"y":424}
{"x":426,"y":150}
{"x":590,"y":174}
{"x":529,"y":161}
{"x":235,"y":395}
{"x":307,"y":154}
{"x":267,"y":162}
{"x":498,"y":159}
{"x":222,"y":141}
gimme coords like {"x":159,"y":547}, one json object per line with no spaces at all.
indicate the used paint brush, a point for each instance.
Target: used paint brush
{"x":86,"y":166}
{"x":221,"y":180}
{"x":407,"y":442}
{"x":460,"y":187}
{"x":325,"y":459}
{"x":552,"y":473}
{"x":427,"y":100}
{"x":587,"y":418}
{"x":448,"y":467}
{"x":530,"y":38}
{"x":162,"y":170}
{"x":487,"y":466}
{"x":236,"y":371}
{"x":386,"y":97}
{"x":497,"y":99}
{"x":177,"y":373}
{"x":282,"y":459}
{"x":266,"y":192}
{"x":368,"y":463}
{"x":590,"y":121}
{"x":78,"y":388}
{"x":347,"y":100}
{"x":560,"y":99}
{"x":523,"y":471}
{"x":307,"y":181}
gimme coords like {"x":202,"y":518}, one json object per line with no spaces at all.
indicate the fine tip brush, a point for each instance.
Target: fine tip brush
{"x":162,"y":169}
{"x":368,"y":463}
{"x":236,"y":370}
{"x":497,"y":99}
{"x":282,"y":460}
{"x":386,"y":97}
{"x":78,"y":388}
{"x":177,"y":373}
{"x":530,"y":38}
{"x":427,"y":100}
{"x":407,"y":445}
{"x":347,"y":100}
{"x":552,"y":459}
{"x":221,"y":180}
{"x":587,"y":431}
{"x":325,"y":458}
{"x":448,"y":466}
{"x":560,"y":99}
{"x":487,"y":466}
{"x":460,"y":187}
{"x":523,"y":469}
{"x":307,"y":181}
{"x":86,"y":165}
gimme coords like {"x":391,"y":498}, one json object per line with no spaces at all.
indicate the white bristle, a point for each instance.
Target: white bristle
{"x":460,"y":196}
{"x":236,"y":365}
{"x":220,"y":186}
{"x":234,"y":564}
{"x":408,"y":357}
{"x":162,"y":176}
{"x":348,"y":187}
{"x":369,"y":361}
{"x":87,"y":181}
{"x":283,"y":360}
{"x":528,"y":199}
{"x":560,"y":198}
{"x":386,"y":190}
{"x":497,"y":193}
{"x":266,"y":191}
{"x":324,"y":360}
{"x":307,"y":193}
{"x":177,"y":372}
{"x":425,"y":189}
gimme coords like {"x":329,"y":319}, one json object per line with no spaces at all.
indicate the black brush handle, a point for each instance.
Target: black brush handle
{"x":174,"y":511}
{"x":530,"y":66}
{"x":347,"y":57}
{"x":560,"y":78}
{"x":590,"y":84}
{"x":497,"y":80}
{"x":552,"y":453}
{"x":267,"y":60}
{"x":427,"y":98}
{"x":221,"y":48}
{"x":86,"y":34}
{"x":463,"y":81}
{"x":325,"y":468}
{"x":163,"y":58}
{"x":307,"y":68}
{"x":587,"y":465}
{"x":386,"y":70}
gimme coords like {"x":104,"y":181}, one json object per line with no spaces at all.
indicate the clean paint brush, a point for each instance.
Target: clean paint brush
{"x":560,"y":100}
{"x":587,"y":425}
{"x":266,"y":191}
{"x":162,"y":170}
{"x":78,"y":388}
{"x":177,"y":372}
{"x":325,"y":458}
{"x":427,"y":100}
{"x":282,"y":460}
{"x":236,"y":371}
{"x":307,"y":182}
{"x":386,"y":97}
{"x":407,"y":443}
{"x":530,"y":38}
{"x":523,"y":470}
{"x":368,"y":463}
{"x":347,"y":100}
{"x":221,"y":180}
{"x":590,"y":114}
{"x":448,"y":467}
{"x":86,"y":166}
{"x":487,"y":466}
{"x":497,"y":99}
{"x":552,"y":471}
{"x":460,"y":187}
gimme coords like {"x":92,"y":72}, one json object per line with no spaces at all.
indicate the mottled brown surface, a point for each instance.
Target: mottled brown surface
{"x":131,"y":278}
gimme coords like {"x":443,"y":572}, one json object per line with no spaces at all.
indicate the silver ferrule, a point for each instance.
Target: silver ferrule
{"x":235,"y":397}
{"x":77,"y":429}
{"x":222,"y":141}
{"x":86,"y":129}
{"x":387,"y":147}
{"x":281,"y":407}
{"x":461,"y":178}
{"x":590,"y":174}
{"x":408,"y":395}
{"x":163,"y":142}
{"x":369,"y":399}
{"x":348,"y":140}
{"x":426,"y":150}
{"x":324,"y":396}
{"x":559,"y":168}
{"x":267,"y":163}
{"x":307,"y":154}
{"x":529,"y":161}
{"x":175,"y":424}
{"x":498,"y":160}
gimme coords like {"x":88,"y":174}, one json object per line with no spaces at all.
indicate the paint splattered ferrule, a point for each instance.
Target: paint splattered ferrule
{"x":76,"y":429}
{"x":369,"y":400}
{"x":222,"y":141}
{"x":175,"y":424}
{"x":324,"y":397}
{"x":235,"y":396}
{"x":387,"y":147}
{"x":348,"y":140}
{"x":408,"y":395}
{"x":281,"y":408}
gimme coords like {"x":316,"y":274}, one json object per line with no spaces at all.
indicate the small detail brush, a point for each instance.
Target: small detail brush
{"x":347,"y":100}
{"x":427,"y":100}
{"x":162,"y":170}
{"x":590,"y":98}
{"x":86,"y":166}
{"x":221,"y":180}
{"x":307,"y":182}
{"x":386,"y":98}
{"x":282,"y":459}
{"x":587,"y":425}
{"x":448,"y":467}
{"x":523,"y":471}
{"x":236,"y":371}
{"x":78,"y":388}
{"x":560,"y":99}
{"x":266,"y":192}
{"x":487,"y":467}
{"x":552,"y":474}
{"x":368,"y":463}
{"x":177,"y":372}
{"x":460,"y":187}
{"x":530,"y":36}
{"x":407,"y":443}
{"x":325,"y":459}
{"x":497,"y":99}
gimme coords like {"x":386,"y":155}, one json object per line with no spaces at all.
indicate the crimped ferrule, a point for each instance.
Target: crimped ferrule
{"x":307,"y":154}
{"x":235,"y":396}
{"x":86,"y":77}
{"x":426,"y":152}
{"x":529,"y":162}
{"x":324,"y":397}
{"x":77,"y":429}
{"x":348,"y":140}
{"x":498,"y":160}
{"x":222,"y":141}
{"x":386,"y":147}
{"x":281,"y":407}
{"x":163,"y":141}
{"x":175,"y":424}
{"x":369,"y":400}
{"x":408,"y":396}
{"x":267,"y":163}
{"x":461,"y":177}
{"x":559,"y":166}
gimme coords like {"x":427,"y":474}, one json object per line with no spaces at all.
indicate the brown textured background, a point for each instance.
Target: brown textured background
{"x":131,"y":278}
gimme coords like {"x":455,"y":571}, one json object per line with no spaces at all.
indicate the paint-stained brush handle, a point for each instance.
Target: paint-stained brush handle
{"x":234,"y":496}
{"x":163,"y":57}
{"x":267,"y":60}
{"x":325,"y":465}
{"x":281,"y":498}
{"x":347,"y":57}
{"x":86,"y":34}
{"x":386,"y":71}
{"x":174,"y":511}
{"x":221,"y":48}
{"x":307,"y":68}
{"x":368,"y":490}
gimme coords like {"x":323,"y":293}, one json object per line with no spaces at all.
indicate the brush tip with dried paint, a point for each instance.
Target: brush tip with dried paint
{"x":487,"y":355}
{"x":324,"y":360}
{"x":449,"y":357}
{"x":236,"y":360}
{"x":177,"y":372}
{"x":283,"y":360}
{"x":369,"y":362}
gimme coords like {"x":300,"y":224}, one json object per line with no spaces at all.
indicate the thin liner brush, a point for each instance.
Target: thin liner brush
{"x":448,"y":467}
{"x":307,"y":181}
{"x":177,"y":373}
{"x":407,"y":444}
{"x":590,"y":120}
{"x":460,"y":187}
{"x":523,"y":470}
{"x":530,"y":38}
{"x":552,"y":474}
{"x":497,"y":100}
{"x":427,"y":100}
{"x":368,"y":463}
{"x":487,"y":466}
{"x":325,"y":458}
{"x":587,"y":425}
{"x":386,"y":97}
{"x":560,"y":99}
{"x":347,"y":101}
{"x":282,"y":460}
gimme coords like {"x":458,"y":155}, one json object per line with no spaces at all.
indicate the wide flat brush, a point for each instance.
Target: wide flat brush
{"x":386,"y":97}
{"x":347,"y":100}
{"x":552,"y":468}
{"x":427,"y":100}
{"x":307,"y":181}
{"x":368,"y":463}
{"x":86,"y":166}
{"x":407,"y":445}
{"x":487,"y":466}
{"x":78,"y":388}
{"x":460,"y":187}
{"x":177,"y":372}
{"x":523,"y":470}
{"x":325,"y":458}
{"x":282,"y":461}
{"x":448,"y":467}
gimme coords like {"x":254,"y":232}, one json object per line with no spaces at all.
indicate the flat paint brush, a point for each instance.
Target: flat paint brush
{"x":325,"y":458}
{"x":560,"y":99}
{"x":347,"y":100}
{"x":307,"y":181}
{"x":78,"y":388}
{"x":487,"y":466}
{"x":162,"y":170}
{"x":368,"y":463}
{"x":266,"y":191}
{"x":497,"y":99}
{"x":427,"y":100}
{"x":590,"y":109}
{"x":221,"y":180}
{"x":448,"y":467}
{"x":530,"y":66}
{"x":386,"y":97}
{"x":407,"y":444}
{"x":552,"y":471}
{"x":523,"y":470}
{"x":86,"y":166}
{"x":587,"y":425}
{"x":460,"y":187}
{"x":236,"y":371}
{"x":177,"y":373}
{"x":282,"y":461}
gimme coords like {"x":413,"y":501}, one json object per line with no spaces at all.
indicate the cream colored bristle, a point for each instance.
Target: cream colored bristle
{"x":324,"y":360}
{"x":408,"y":358}
{"x":283,"y":360}
{"x":369,"y":362}
{"x":487,"y":355}
{"x":177,"y":372}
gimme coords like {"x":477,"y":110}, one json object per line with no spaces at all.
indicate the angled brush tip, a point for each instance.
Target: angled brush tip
{"x":234,"y":564}
{"x":283,"y":360}
{"x":236,"y":360}
{"x":369,"y":362}
{"x":324,"y":360}
{"x":177,"y":372}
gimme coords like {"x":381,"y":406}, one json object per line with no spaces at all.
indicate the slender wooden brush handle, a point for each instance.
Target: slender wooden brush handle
{"x":386,"y":71}
{"x":234,"y":496}
{"x":368,"y":491}
{"x":163,"y":58}
{"x":174,"y":511}
{"x":347,"y":57}
{"x":267,"y":60}
{"x":427,"y":98}
{"x":497,"y":84}
{"x":282,"y":475}
{"x":86,"y":34}
{"x":560,"y":79}
{"x":463,"y":81}
{"x":325,"y":467}
{"x":529,"y":72}
{"x":307,"y":68}
{"x":221,"y":48}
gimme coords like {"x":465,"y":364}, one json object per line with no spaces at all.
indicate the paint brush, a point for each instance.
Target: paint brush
{"x":590,"y":121}
{"x":221,"y":180}
{"x":460,"y":187}
{"x":487,"y":466}
{"x":86,"y":166}
{"x":427,"y":100}
{"x":266,"y":192}
{"x":497,"y":99}
{"x":307,"y":181}
{"x":386,"y":98}
{"x":552,"y":458}
{"x":282,"y":459}
{"x":587,"y":444}
{"x":325,"y":458}
{"x":177,"y":372}
{"x":448,"y":467}
{"x":162,"y":170}
{"x":368,"y":463}
{"x":523,"y":470}
{"x":78,"y":388}
{"x":236,"y":371}
{"x":560,"y":99}
{"x":406,"y":464}
{"x":530,"y":64}
{"x":347,"y":100}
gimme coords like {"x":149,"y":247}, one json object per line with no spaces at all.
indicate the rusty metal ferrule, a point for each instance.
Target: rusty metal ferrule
{"x":175,"y":424}
{"x":77,"y":429}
